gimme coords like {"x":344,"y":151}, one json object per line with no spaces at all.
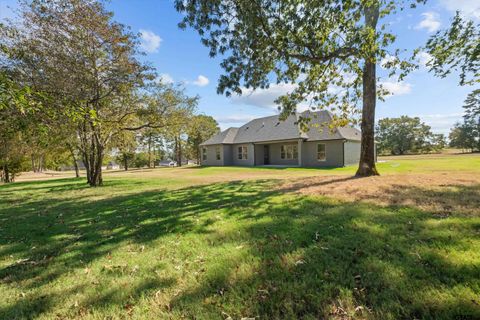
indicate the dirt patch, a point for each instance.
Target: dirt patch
{"x":441,"y":193}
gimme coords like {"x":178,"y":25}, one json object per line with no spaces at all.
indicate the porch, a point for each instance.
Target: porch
{"x":286,"y":153}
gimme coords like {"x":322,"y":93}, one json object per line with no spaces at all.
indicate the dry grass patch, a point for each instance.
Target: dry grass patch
{"x":443,"y":193}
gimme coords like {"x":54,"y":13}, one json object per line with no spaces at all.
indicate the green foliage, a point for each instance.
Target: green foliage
{"x":406,"y":135}
{"x":16,"y":115}
{"x":200,"y":129}
{"x":466,"y":135}
{"x":315,"y":45}
{"x":100,"y":91}
{"x":456,"y":49}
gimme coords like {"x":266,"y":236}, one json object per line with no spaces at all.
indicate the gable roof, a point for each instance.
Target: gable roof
{"x":273,"y":129}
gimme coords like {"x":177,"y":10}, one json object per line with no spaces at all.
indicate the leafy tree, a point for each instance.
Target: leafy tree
{"x":201,"y":128}
{"x":472,"y":117}
{"x":406,"y":135}
{"x":456,"y":49}
{"x":16,"y":112}
{"x":87,"y":63}
{"x":466,"y":135}
{"x":311,"y":44}
{"x":126,"y":144}
{"x":461,"y":136}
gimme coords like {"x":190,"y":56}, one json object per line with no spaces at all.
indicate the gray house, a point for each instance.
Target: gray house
{"x":270,"y":141}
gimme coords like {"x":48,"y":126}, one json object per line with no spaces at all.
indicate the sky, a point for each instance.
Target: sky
{"x":179,"y":56}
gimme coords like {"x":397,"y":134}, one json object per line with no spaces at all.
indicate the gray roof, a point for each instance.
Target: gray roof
{"x":273,"y":129}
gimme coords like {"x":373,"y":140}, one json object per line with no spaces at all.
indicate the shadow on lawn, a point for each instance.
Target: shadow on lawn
{"x":298,"y":257}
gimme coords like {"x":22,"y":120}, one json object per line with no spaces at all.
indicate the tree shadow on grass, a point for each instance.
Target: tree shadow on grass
{"x":267,"y":254}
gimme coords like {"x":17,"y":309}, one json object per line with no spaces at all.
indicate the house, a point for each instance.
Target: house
{"x":270,"y":141}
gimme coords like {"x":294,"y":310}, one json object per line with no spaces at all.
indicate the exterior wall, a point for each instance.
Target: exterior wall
{"x":352,"y":152}
{"x":275,"y":158}
{"x":334,"y":154}
{"x":248,"y":162}
{"x":211,"y":156}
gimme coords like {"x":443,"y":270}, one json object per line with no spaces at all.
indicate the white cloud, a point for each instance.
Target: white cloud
{"x":201,"y":81}
{"x":165,"y":78}
{"x":150,"y":42}
{"x":396,"y":88}
{"x":441,"y":123}
{"x":468,"y":8}
{"x":431,"y":21}
{"x":264,"y":98}
{"x":423,"y":58}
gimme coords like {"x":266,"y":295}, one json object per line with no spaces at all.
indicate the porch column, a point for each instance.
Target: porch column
{"x":300,"y":144}
{"x":254,"y":156}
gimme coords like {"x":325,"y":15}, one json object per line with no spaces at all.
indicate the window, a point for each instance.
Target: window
{"x":242,"y":153}
{"x":217,"y":153}
{"x":204,"y":154}
{"x":289,"y":152}
{"x":321,"y":152}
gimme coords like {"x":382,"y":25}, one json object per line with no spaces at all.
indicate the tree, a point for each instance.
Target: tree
{"x":16,"y":112}
{"x":407,"y":135}
{"x":87,"y":63}
{"x":456,"y":49}
{"x":201,"y":128}
{"x":472,"y":117}
{"x":328,"y":51}
{"x":461,"y":136}
{"x":75,"y":52}
{"x":126,"y":143}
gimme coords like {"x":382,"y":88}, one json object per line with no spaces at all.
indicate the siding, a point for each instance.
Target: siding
{"x":237,"y":162}
{"x":352,"y":152}
{"x":211,"y":156}
{"x":334,"y":154}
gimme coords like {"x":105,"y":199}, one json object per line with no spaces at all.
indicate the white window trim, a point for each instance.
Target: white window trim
{"x":243,"y":153}
{"x":218,"y":153}
{"x":204,"y":153}
{"x":285,"y":147}
{"x":325,"y":159}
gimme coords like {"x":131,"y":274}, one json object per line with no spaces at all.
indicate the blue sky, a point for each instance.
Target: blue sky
{"x":179,"y":56}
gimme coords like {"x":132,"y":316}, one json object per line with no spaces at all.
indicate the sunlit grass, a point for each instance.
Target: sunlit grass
{"x":174,"y":246}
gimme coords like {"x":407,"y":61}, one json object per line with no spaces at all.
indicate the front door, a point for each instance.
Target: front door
{"x":266,"y":154}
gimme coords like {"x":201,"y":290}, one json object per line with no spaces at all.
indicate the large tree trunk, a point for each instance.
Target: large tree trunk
{"x":93,"y":152}
{"x":366,"y":166}
{"x":178,"y":143}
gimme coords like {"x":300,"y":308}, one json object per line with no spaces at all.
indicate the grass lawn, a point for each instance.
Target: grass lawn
{"x":219,"y":243}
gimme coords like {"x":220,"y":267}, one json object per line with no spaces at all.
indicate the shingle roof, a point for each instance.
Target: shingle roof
{"x":273,"y":129}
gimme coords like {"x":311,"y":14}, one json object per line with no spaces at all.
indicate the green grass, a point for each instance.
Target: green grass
{"x":170,"y":248}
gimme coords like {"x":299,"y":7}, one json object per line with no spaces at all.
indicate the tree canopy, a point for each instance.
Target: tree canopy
{"x":403,"y":135}
{"x":91,"y":87}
